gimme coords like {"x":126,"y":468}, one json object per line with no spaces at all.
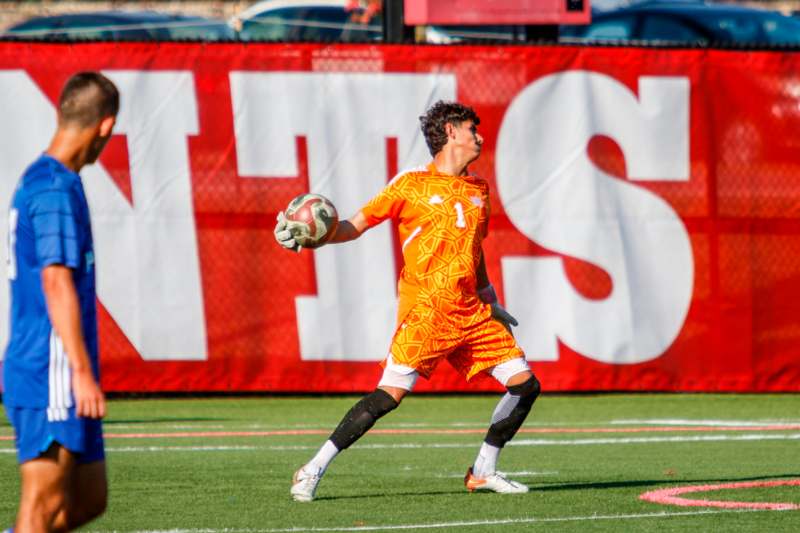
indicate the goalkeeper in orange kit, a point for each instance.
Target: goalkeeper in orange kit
{"x":448,"y":309}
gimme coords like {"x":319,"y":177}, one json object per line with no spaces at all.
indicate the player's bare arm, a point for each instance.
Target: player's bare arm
{"x":346,"y":230}
{"x":350,"y":229}
{"x":64,"y":311}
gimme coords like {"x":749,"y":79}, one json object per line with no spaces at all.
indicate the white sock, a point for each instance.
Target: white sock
{"x":324,"y":457}
{"x":486,"y":462}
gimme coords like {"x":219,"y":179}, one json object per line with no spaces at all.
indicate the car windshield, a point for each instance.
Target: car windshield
{"x":739,"y":27}
{"x":209,"y":30}
{"x":69,"y":27}
{"x":694,"y":24}
{"x":35,"y":26}
{"x":658,"y":27}
{"x":128,"y":27}
{"x":314,"y":23}
{"x":489,"y":32}
{"x":609,"y":28}
{"x":781,"y":30}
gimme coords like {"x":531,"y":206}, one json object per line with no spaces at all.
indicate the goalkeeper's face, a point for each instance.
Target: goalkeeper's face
{"x":468,"y":140}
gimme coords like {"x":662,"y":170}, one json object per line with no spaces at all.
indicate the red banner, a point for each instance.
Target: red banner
{"x":644,"y":224}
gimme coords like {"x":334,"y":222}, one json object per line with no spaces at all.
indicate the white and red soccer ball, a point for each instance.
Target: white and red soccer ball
{"x":311,"y":219}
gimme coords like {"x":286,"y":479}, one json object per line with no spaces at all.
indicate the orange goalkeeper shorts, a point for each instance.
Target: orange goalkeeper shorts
{"x":425,"y":337}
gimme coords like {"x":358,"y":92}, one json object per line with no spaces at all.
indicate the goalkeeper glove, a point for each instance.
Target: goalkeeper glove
{"x":284,"y":236}
{"x":489,"y":296}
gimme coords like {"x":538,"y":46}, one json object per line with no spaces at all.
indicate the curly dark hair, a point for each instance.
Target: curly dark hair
{"x":432,"y":123}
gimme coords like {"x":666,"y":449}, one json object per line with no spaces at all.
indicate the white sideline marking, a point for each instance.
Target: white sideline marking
{"x":520,"y":442}
{"x":138,"y":425}
{"x":647,"y":440}
{"x":444,"y":525}
{"x":139,"y":449}
{"x":713,"y":423}
{"x":183,"y":448}
{"x":324,"y":426}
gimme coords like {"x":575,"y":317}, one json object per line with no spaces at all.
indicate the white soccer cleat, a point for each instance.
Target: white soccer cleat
{"x":304,"y":484}
{"x":497,"y":482}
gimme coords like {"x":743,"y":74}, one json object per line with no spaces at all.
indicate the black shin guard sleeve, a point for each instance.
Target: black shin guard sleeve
{"x":361,"y":417}
{"x":504,"y":430}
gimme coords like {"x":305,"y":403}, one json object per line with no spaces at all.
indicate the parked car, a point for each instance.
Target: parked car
{"x":305,"y":20}
{"x":122,"y":25}
{"x":467,"y":34}
{"x":688,"y":22}
{"x":337,"y":21}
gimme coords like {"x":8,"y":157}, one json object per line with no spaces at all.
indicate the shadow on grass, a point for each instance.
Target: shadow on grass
{"x":600,"y":485}
{"x":650,"y":482}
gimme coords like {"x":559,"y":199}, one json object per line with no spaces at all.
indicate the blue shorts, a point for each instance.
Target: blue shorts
{"x":34,"y":434}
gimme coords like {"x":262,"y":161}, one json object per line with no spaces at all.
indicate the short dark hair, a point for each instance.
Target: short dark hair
{"x":433,"y":122}
{"x":86,"y":99}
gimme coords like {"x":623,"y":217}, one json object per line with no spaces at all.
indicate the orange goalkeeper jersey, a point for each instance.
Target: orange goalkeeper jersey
{"x":442,"y":221}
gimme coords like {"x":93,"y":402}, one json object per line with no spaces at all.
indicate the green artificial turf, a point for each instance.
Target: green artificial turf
{"x":226,"y":464}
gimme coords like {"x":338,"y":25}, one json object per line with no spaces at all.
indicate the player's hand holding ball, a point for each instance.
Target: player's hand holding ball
{"x":283,"y":235}
{"x":308,"y":222}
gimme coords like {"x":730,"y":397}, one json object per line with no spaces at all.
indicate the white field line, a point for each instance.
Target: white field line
{"x":520,"y":442}
{"x":324,"y":426}
{"x":465,"y":524}
{"x":712,"y":423}
{"x":144,"y":449}
{"x":647,"y":440}
{"x":139,"y":425}
{"x":327,"y":425}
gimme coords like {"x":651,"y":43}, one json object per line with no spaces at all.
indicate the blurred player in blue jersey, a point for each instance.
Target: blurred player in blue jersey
{"x":51,"y":385}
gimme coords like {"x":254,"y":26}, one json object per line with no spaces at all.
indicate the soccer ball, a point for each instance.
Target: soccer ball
{"x":311,"y":219}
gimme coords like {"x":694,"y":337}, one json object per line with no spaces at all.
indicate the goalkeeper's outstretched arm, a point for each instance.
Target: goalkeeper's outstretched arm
{"x":350,"y":229}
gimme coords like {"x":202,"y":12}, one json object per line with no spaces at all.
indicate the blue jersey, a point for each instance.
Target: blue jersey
{"x":49,"y":225}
